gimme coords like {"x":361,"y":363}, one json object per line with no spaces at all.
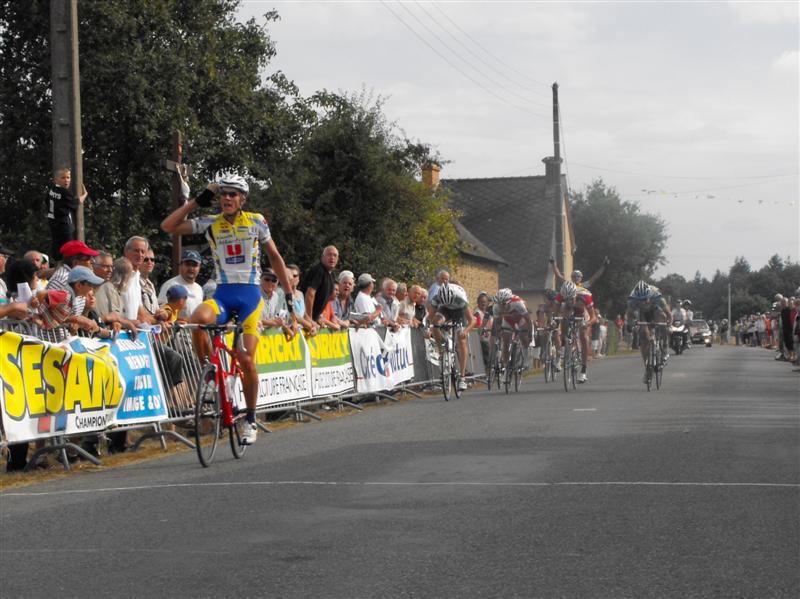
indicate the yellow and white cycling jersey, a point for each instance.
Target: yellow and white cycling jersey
{"x":236,"y":247}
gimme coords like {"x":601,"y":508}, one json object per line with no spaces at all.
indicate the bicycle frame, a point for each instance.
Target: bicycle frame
{"x":221,"y":374}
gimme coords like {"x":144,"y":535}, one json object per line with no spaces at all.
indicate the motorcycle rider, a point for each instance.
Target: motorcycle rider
{"x":678,"y":321}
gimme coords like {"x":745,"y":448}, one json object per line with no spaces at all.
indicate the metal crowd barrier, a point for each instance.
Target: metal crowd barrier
{"x":175,"y":358}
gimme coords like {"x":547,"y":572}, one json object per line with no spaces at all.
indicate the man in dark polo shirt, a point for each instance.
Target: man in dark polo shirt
{"x":317,"y":283}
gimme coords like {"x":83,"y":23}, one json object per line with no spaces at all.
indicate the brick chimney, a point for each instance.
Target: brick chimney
{"x":430,"y":175}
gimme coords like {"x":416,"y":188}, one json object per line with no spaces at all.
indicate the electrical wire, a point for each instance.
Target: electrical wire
{"x":497,"y":59}
{"x":456,"y":67}
{"x":463,"y":45}
{"x":745,"y":178}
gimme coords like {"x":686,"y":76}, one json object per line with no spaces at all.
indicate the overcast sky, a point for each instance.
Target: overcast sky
{"x":696,"y":103}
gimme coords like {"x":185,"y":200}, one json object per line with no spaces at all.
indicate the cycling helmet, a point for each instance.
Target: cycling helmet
{"x":445,"y":294}
{"x":576,"y":276}
{"x":569,"y":290}
{"x":641,"y":291}
{"x":503,"y":296}
{"x":232,"y":181}
{"x":550,"y":294}
{"x":687,"y":302}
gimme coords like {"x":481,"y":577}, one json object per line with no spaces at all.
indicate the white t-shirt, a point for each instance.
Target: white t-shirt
{"x":364,"y":303}
{"x":132,"y":297}
{"x":195,"y":295}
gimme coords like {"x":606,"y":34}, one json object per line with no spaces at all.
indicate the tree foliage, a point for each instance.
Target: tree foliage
{"x":751,"y":291}
{"x":607,"y":226}
{"x":339,"y":172}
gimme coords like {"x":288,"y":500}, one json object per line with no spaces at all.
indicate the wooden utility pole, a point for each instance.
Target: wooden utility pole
{"x":175,"y":165}
{"x":66,"y":84}
{"x":561,"y":255}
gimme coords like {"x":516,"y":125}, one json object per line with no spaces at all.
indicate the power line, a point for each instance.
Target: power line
{"x":456,"y":67}
{"x":499,"y":60}
{"x":467,"y":48}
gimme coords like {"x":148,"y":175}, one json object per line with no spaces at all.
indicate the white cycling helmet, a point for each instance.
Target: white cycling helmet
{"x":641,"y":291}
{"x":503,"y":296}
{"x":569,"y":290}
{"x":445,"y":294}
{"x":233,"y":181}
{"x":576,"y":276}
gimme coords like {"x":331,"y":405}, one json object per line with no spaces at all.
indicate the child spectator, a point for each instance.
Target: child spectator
{"x":177,"y":296}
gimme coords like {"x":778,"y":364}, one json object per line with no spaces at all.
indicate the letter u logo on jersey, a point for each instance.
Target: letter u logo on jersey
{"x":234,"y":254}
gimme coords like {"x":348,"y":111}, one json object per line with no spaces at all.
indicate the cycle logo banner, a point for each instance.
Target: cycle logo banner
{"x":331,"y":364}
{"x":144,"y":399}
{"x":55,"y":389}
{"x":284,"y":368}
{"x":399,"y":354}
{"x":380,"y":365}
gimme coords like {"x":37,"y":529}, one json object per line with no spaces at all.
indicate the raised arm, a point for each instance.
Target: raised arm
{"x":598,"y":274}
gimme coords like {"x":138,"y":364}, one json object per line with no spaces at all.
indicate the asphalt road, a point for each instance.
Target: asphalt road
{"x":608,"y":491}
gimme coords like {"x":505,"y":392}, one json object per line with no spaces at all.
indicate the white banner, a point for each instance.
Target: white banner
{"x":381,"y":365}
{"x":369,"y":363}
{"x":397,"y":347}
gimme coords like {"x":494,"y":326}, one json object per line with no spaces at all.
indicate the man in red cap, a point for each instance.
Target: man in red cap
{"x":76,"y":253}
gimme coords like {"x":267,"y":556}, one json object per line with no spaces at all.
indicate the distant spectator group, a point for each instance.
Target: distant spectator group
{"x":777,"y":329}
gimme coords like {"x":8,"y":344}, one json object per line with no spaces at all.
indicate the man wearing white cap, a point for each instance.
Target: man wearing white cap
{"x":365,"y":304}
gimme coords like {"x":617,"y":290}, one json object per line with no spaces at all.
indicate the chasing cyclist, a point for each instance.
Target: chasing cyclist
{"x":450,"y":305}
{"x":544,"y":320}
{"x":652,"y":308}
{"x":577,"y":301}
{"x":236,"y":239}
{"x":511,"y":313}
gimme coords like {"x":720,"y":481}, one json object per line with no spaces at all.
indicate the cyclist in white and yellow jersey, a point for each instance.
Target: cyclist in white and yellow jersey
{"x":236,"y":239}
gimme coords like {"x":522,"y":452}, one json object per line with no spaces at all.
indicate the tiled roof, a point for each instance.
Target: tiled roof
{"x":512,"y":218}
{"x":474,"y":247}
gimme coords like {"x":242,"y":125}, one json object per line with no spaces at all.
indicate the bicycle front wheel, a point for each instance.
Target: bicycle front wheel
{"x":207,"y":415}
{"x":455,"y":371}
{"x":445,"y":368}
{"x":518,"y":361}
{"x":658,"y":368}
{"x":547,"y":361}
{"x":567,"y":366}
{"x":509,"y":367}
{"x":491,"y":371}
{"x":577,"y":360}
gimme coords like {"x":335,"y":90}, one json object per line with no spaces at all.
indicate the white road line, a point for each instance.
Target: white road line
{"x":279,"y":483}
{"x":584,"y":409}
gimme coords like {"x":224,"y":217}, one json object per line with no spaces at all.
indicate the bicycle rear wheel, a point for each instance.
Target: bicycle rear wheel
{"x":236,"y":431}
{"x":236,"y":434}
{"x":206,"y":415}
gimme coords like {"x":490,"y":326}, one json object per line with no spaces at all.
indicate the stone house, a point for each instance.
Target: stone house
{"x":521,"y":221}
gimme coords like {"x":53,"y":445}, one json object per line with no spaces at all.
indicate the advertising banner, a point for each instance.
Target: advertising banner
{"x":48,"y":389}
{"x":284,"y":368}
{"x":397,"y":347}
{"x":144,"y":399}
{"x":331,"y":364}
{"x":381,"y":364}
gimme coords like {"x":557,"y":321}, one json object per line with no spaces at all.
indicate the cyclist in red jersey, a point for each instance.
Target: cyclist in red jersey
{"x":511,"y":313}
{"x":577,"y":301}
